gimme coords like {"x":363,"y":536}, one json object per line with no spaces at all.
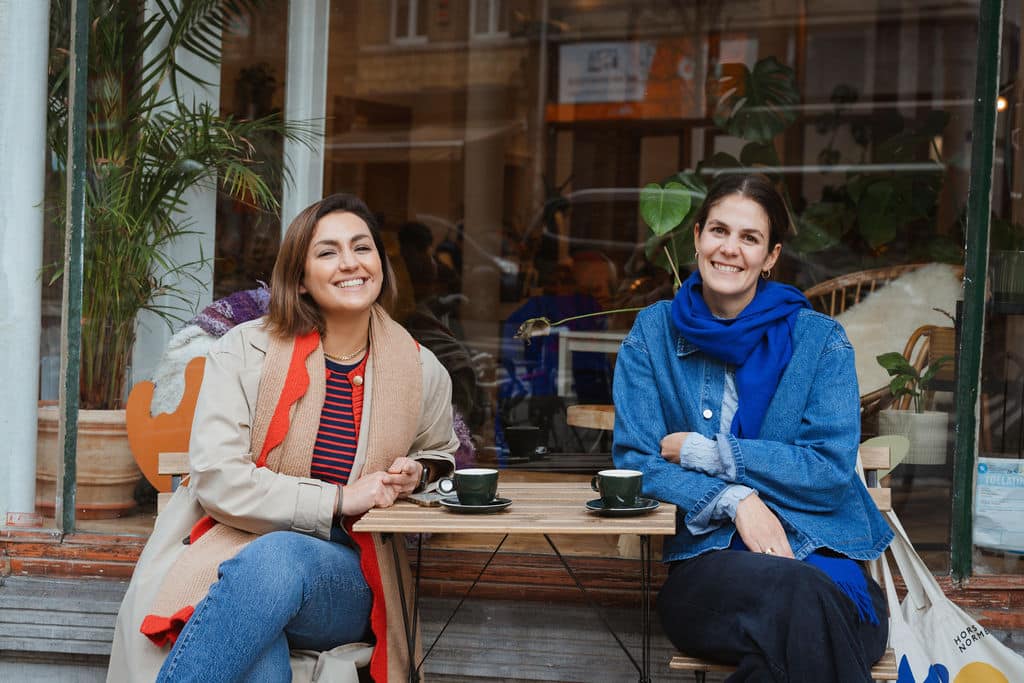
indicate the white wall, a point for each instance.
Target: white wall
{"x":23,"y":55}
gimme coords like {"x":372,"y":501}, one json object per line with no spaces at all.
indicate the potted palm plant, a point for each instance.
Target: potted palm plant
{"x":146,"y":148}
{"x":927,"y":430}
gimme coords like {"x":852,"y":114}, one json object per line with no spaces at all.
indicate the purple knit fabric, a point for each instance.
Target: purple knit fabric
{"x":234,"y":309}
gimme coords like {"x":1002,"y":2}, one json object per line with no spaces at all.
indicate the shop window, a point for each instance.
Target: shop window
{"x":408,"y":21}
{"x":507,"y":178}
{"x":488,"y":19}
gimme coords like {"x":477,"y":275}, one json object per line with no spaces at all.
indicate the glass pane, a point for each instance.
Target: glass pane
{"x":401,"y":18}
{"x":116,"y":481}
{"x":423,"y":18}
{"x":508,"y":179}
{"x":999,"y":493}
{"x":117,"y":250}
{"x":501,"y":15}
{"x":252,"y":87}
{"x":482,"y":14}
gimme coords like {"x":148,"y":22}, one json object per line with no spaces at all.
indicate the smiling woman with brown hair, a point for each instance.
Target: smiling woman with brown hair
{"x":306,"y":419}
{"x":740,"y":405}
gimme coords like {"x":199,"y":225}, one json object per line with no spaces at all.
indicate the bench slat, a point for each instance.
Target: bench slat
{"x":885,"y":669}
{"x":882,"y":498}
{"x":173,"y":463}
{"x":874,"y":457}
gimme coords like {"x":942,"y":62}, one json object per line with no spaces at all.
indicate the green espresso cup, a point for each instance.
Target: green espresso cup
{"x":476,"y":486}
{"x":618,"y":488}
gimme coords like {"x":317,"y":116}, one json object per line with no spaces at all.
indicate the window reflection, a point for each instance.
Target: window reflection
{"x":999,"y":483}
{"x":508,"y":174}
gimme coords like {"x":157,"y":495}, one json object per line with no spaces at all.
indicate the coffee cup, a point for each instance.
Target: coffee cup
{"x":476,"y":486}
{"x":618,"y":488}
{"x":523,"y":441}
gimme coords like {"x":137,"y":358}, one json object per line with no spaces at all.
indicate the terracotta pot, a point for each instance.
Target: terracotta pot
{"x":107,"y":473}
{"x":927,"y":431}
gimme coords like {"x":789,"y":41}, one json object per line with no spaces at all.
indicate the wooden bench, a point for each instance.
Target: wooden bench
{"x":174,"y":465}
{"x":873,"y":460}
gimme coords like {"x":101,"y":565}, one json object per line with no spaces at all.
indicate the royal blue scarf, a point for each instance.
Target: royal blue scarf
{"x":759,"y":342}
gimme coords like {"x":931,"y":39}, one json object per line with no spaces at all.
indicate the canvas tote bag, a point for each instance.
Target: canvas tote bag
{"x":935,"y":641}
{"x":340,"y":665}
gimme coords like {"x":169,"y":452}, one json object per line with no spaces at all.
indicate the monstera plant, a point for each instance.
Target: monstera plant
{"x":755,"y":105}
{"x":894,"y":199}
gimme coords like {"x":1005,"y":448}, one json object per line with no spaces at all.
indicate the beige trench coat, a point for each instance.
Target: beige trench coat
{"x":225,"y":483}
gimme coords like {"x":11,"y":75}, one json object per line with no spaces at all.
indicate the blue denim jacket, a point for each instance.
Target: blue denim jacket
{"x":803,"y":466}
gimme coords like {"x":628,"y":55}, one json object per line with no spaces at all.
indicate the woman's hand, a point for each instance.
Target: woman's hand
{"x":672,"y":444}
{"x":760,"y":529}
{"x":405,"y":474}
{"x":374,"y":490}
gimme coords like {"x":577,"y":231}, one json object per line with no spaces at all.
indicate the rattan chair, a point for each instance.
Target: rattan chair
{"x":834,"y":296}
{"x":926,"y":346}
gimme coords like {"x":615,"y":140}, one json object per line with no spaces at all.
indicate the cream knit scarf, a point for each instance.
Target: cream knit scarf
{"x":288,"y":406}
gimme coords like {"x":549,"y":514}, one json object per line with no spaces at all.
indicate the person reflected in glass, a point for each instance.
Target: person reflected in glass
{"x":739,"y":404}
{"x":307,"y":418}
{"x":425,"y":323}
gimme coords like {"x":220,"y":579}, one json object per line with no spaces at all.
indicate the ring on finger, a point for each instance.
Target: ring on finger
{"x":769,"y":551}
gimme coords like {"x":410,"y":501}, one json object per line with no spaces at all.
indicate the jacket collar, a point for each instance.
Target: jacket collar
{"x":684,"y":347}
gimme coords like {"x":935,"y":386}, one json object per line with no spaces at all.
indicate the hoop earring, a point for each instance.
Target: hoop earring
{"x":765,"y":274}
{"x":696,"y":256}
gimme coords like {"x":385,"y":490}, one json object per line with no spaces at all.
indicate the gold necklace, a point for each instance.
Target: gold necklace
{"x":348,"y":356}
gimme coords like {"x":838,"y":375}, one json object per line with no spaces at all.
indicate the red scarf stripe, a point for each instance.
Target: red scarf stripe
{"x":295,"y":385}
{"x":378,"y":610}
{"x":165,"y":630}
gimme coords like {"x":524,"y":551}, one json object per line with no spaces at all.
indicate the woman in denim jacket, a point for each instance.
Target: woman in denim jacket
{"x":740,"y":406}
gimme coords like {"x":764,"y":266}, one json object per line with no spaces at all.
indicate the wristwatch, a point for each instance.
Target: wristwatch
{"x":424,"y":477}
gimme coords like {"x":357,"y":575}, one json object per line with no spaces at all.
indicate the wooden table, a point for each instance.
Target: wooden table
{"x":537,"y":508}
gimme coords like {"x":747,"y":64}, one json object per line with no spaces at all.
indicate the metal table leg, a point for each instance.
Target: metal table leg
{"x":410,"y":629}
{"x":645,"y":607}
{"x":642,"y":670}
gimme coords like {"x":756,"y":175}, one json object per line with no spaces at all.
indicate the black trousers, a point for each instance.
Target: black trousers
{"x":778,"y":620}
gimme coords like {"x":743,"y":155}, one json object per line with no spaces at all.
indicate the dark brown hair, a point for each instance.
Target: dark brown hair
{"x":758,"y":188}
{"x":293,"y":313}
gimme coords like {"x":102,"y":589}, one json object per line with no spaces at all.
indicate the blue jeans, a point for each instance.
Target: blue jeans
{"x":283,"y":590}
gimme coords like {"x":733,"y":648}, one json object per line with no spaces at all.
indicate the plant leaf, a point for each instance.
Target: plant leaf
{"x":664,"y":208}
{"x":756,"y":104}
{"x":895,"y":364}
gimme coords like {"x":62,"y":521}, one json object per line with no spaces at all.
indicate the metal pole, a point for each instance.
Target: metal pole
{"x":979,"y":206}
{"x":71,"y":305}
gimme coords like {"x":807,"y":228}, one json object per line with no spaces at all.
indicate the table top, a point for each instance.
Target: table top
{"x":537,"y":508}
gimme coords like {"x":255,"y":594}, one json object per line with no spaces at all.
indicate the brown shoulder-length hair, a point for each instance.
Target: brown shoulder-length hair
{"x":293,"y":313}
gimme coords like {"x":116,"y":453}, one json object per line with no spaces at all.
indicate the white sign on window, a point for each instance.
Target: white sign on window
{"x":603,"y":72}
{"x":999,"y":504}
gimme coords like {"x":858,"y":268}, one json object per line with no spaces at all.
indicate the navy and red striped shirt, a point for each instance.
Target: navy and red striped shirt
{"x":336,"y":438}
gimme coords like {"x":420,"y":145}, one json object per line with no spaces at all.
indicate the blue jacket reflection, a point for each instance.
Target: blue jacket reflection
{"x":803,"y":465}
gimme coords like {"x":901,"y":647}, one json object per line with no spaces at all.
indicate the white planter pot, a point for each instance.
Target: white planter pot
{"x":928,"y":433}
